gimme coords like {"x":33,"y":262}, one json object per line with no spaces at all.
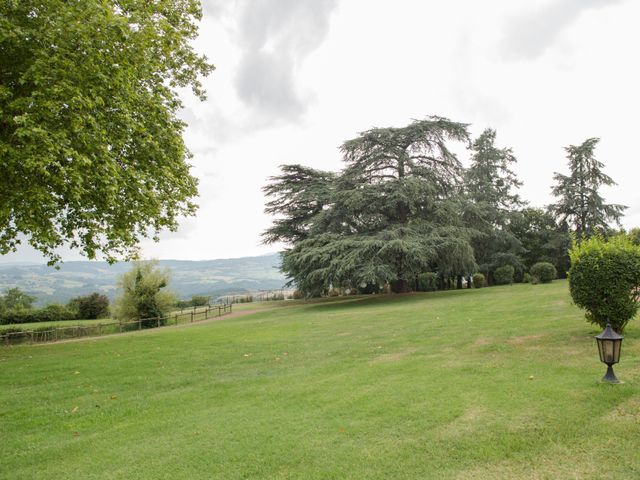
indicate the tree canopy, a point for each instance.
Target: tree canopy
{"x":579,"y":201}
{"x":91,"y":146}
{"x":387,"y":217}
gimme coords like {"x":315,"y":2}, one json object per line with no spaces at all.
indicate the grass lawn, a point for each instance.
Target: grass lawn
{"x":475,"y":384}
{"x":61,"y":323}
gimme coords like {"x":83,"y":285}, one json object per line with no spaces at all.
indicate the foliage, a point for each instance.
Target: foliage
{"x":634,"y":235}
{"x":541,"y":238}
{"x":478,"y":280}
{"x":504,"y":275}
{"x":15,"y":300}
{"x":579,"y":202}
{"x":392,"y":212}
{"x":490,"y":187}
{"x":92,"y":306}
{"x":143,"y":294}
{"x":200,"y":300}
{"x":427,"y":282}
{"x":90,"y":139}
{"x":298,"y":295}
{"x":50,"y":313}
{"x":604,"y":280}
{"x":527,"y":278}
{"x":543,"y":272}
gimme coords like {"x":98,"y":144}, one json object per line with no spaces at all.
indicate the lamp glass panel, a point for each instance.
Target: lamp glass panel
{"x":600,"y":350}
{"x":616,"y":350}
{"x":609,"y":351}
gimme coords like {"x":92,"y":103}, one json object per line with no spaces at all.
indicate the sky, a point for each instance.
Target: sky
{"x":294,"y":79}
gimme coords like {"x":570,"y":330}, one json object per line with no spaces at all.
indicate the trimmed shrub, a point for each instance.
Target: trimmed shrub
{"x":504,"y":275}
{"x":427,"y":282}
{"x":478,"y":280}
{"x":51,"y":313}
{"x":544,"y":272}
{"x":604,"y":280}
{"x":526,"y":278}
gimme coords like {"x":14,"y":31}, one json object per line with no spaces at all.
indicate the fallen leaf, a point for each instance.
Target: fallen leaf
{"x":74,"y":434}
{"x":75,"y":409}
{"x":113,"y":397}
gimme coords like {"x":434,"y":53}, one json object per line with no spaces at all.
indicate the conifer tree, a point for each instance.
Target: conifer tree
{"x":391,"y":214}
{"x":491,"y":192}
{"x":579,"y":201}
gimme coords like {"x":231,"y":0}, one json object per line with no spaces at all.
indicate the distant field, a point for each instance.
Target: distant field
{"x":498,"y":382}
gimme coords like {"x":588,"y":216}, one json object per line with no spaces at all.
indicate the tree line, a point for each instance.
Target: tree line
{"x":404,"y":206}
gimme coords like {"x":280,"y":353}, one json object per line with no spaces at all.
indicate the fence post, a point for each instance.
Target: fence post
{"x":139,"y":324}
{"x":191,"y":317}
{"x":231,"y":308}
{"x":158,"y":321}
{"x":176,"y":318}
{"x":206,"y":314}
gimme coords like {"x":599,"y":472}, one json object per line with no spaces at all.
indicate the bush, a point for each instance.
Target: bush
{"x":527,"y":278}
{"x":51,"y":313}
{"x":544,"y":272}
{"x":298,"y":295}
{"x":92,"y":306}
{"x":604,"y":280}
{"x":334,"y":292}
{"x":199,"y":300}
{"x":478,"y":280}
{"x":427,"y":282}
{"x":144,"y":295}
{"x":504,"y":275}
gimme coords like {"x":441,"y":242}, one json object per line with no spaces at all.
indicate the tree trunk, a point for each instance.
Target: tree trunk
{"x":459,"y":282}
{"x":469,"y":281}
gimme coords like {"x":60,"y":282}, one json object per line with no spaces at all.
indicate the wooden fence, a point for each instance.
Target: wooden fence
{"x":54,"y":334}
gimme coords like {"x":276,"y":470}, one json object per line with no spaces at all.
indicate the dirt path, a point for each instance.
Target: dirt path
{"x":228,"y":316}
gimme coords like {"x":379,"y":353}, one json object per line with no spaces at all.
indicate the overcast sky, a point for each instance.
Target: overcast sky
{"x":296,"y":78}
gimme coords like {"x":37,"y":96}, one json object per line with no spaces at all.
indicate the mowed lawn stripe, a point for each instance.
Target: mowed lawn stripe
{"x":491,"y":383}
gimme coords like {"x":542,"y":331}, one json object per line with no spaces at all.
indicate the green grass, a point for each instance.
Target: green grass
{"x":492,"y":383}
{"x":61,"y":323}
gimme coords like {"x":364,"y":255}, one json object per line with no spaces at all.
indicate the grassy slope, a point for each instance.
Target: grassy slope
{"x":421,"y":386}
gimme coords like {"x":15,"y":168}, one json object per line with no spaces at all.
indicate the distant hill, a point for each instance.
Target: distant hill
{"x":204,"y":277}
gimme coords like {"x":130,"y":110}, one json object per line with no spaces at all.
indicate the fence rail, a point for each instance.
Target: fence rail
{"x":54,"y":334}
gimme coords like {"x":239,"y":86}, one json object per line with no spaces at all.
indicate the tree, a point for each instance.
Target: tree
{"x":143,"y":294}
{"x":15,"y":300}
{"x":491,"y":191}
{"x":92,"y":306}
{"x":541,"y":238}
{"x":390,"y":215}
{"x":91,"y":145}
{"x":604,"y":280}
{"x":579,"y":203}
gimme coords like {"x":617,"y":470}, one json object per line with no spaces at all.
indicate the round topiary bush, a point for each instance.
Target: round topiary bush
{"x":604,"y":280}
{"x":478,"y":280}
{"x":504,"y":275}
{"x":544,"y":272}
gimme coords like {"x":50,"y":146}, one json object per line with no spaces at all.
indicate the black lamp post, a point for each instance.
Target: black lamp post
{"x":609,"y":343}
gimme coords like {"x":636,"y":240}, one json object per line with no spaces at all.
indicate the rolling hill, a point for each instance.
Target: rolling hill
{"x":204,"y":277}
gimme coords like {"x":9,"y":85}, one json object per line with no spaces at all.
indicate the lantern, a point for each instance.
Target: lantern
{"x":609,"y":343}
